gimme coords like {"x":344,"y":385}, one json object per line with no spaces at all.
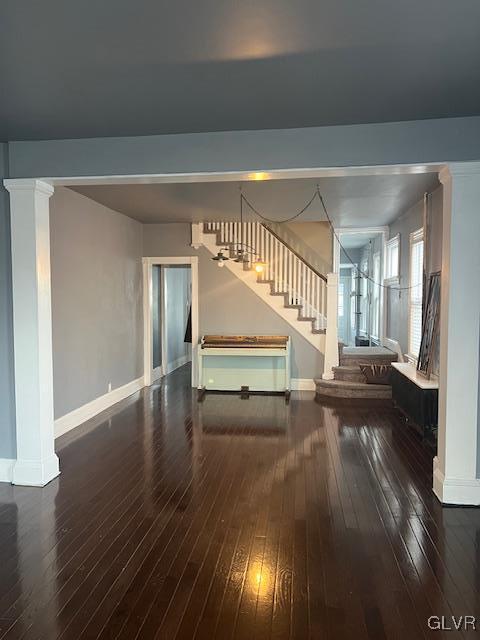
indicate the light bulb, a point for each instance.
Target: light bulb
{"x":220,"y":263}
{"x":259,"y":268}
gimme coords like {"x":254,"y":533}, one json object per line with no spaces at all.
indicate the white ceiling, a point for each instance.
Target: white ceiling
{"x":351,"y":200}
{"x":357,"y":240}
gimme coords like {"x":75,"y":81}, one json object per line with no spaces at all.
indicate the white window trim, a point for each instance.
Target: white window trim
{"x":415,"y":236}
{"x":374,"y":337}
{"x":394,"y":280}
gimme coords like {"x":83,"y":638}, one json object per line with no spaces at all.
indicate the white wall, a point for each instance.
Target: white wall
{"x":96,"y":299}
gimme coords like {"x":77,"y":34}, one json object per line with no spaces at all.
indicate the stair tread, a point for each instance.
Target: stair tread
{"x":289,"y":298}
{"x":347,"y":384}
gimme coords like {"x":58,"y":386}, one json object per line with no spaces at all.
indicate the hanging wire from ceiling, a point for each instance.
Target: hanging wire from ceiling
{"x":317,"y":194}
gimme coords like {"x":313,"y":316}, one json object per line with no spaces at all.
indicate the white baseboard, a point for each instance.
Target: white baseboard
{"x":455,"y":491}
{"x":302,"y":384}
{"x":35,"y":473}
{"x":6,"y":469}
{"x":82,"y":414}
{"x":157,"y":373}
{"x":176,"y":364}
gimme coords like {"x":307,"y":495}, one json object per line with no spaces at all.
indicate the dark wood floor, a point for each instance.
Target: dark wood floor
{"x":236,"y":519}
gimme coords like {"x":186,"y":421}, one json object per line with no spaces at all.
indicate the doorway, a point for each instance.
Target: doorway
{"x":358,"y":260}
{"x":170,"y":315}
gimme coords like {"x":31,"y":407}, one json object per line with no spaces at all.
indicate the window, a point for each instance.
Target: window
{"x":364,"y":298}
{"x":376,"y":296}
{"x":392,"y":260}
{"x":415,"y":293}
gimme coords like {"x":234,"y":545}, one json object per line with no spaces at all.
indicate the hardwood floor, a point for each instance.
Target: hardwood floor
{"x":232,"y":519}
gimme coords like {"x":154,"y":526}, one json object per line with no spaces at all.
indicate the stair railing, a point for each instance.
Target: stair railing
{"x":286,"y":270}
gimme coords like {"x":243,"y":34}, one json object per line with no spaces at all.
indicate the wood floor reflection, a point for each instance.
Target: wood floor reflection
{"x":236,"y":518}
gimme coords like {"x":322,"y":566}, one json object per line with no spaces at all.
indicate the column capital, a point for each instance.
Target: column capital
{"x":453,"y":169}
{"x":13,"y":185}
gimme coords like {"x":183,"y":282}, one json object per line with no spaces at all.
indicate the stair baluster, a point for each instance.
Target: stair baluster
{"x":285,"y":270}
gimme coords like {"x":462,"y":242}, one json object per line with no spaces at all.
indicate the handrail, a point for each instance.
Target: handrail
{"x":295,"y":253}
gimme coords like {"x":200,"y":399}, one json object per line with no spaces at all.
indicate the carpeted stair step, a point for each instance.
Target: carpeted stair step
{"x":346,"y":389}
{"x":355,"y":356}
{"x":348,"y":374}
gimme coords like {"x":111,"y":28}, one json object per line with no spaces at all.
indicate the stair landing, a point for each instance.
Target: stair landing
{"x":349,"y":381}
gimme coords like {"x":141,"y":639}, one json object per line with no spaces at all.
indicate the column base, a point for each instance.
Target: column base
{"x":455,"y":491}
{"x":32,"y":473}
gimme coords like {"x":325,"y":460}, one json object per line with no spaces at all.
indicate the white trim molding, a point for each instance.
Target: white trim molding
{"x":6,"y":469}
{"x":36,"y":462}
{"x":148,"y":263}
{"x":197,"y":235}
{"x":157,"y":374}
{"x":302,"y":384}
{"x":176,"y":364}
{"x":455,"y":491}
{"x":89,"y":410}
{"x":456,"y":467}
{"x":331,"y":337}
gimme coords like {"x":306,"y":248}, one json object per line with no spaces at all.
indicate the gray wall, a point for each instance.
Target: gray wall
{"x":227,"y":305}
{"x":354,"y":255}
{"x":7,"y":394}
{"x":312,"y":240}
{"x":177,"y":304}
{"x":96,"y":299}
{"x":397,"y":301}
{"x":418,"y":141}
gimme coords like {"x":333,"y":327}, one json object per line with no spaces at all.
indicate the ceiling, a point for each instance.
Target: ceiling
{"x":351,"y":200}
{"x":356,"y":240}
{"x":117,"y":67}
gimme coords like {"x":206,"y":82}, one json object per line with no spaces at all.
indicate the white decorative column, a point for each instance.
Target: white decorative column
{"x":456,"y":468}
{"x":331,"y":337}
{"x":36,"y":462}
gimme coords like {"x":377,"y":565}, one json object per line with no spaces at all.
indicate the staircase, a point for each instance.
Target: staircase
{"x":348,"y":380}
{"x":291,"y":287}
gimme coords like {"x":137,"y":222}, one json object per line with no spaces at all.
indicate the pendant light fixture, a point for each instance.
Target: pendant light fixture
{"x":220,"y":258}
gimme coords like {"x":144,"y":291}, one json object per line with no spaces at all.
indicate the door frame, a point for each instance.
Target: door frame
{"x":384,"y":231}
{"x":149,"y":374}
